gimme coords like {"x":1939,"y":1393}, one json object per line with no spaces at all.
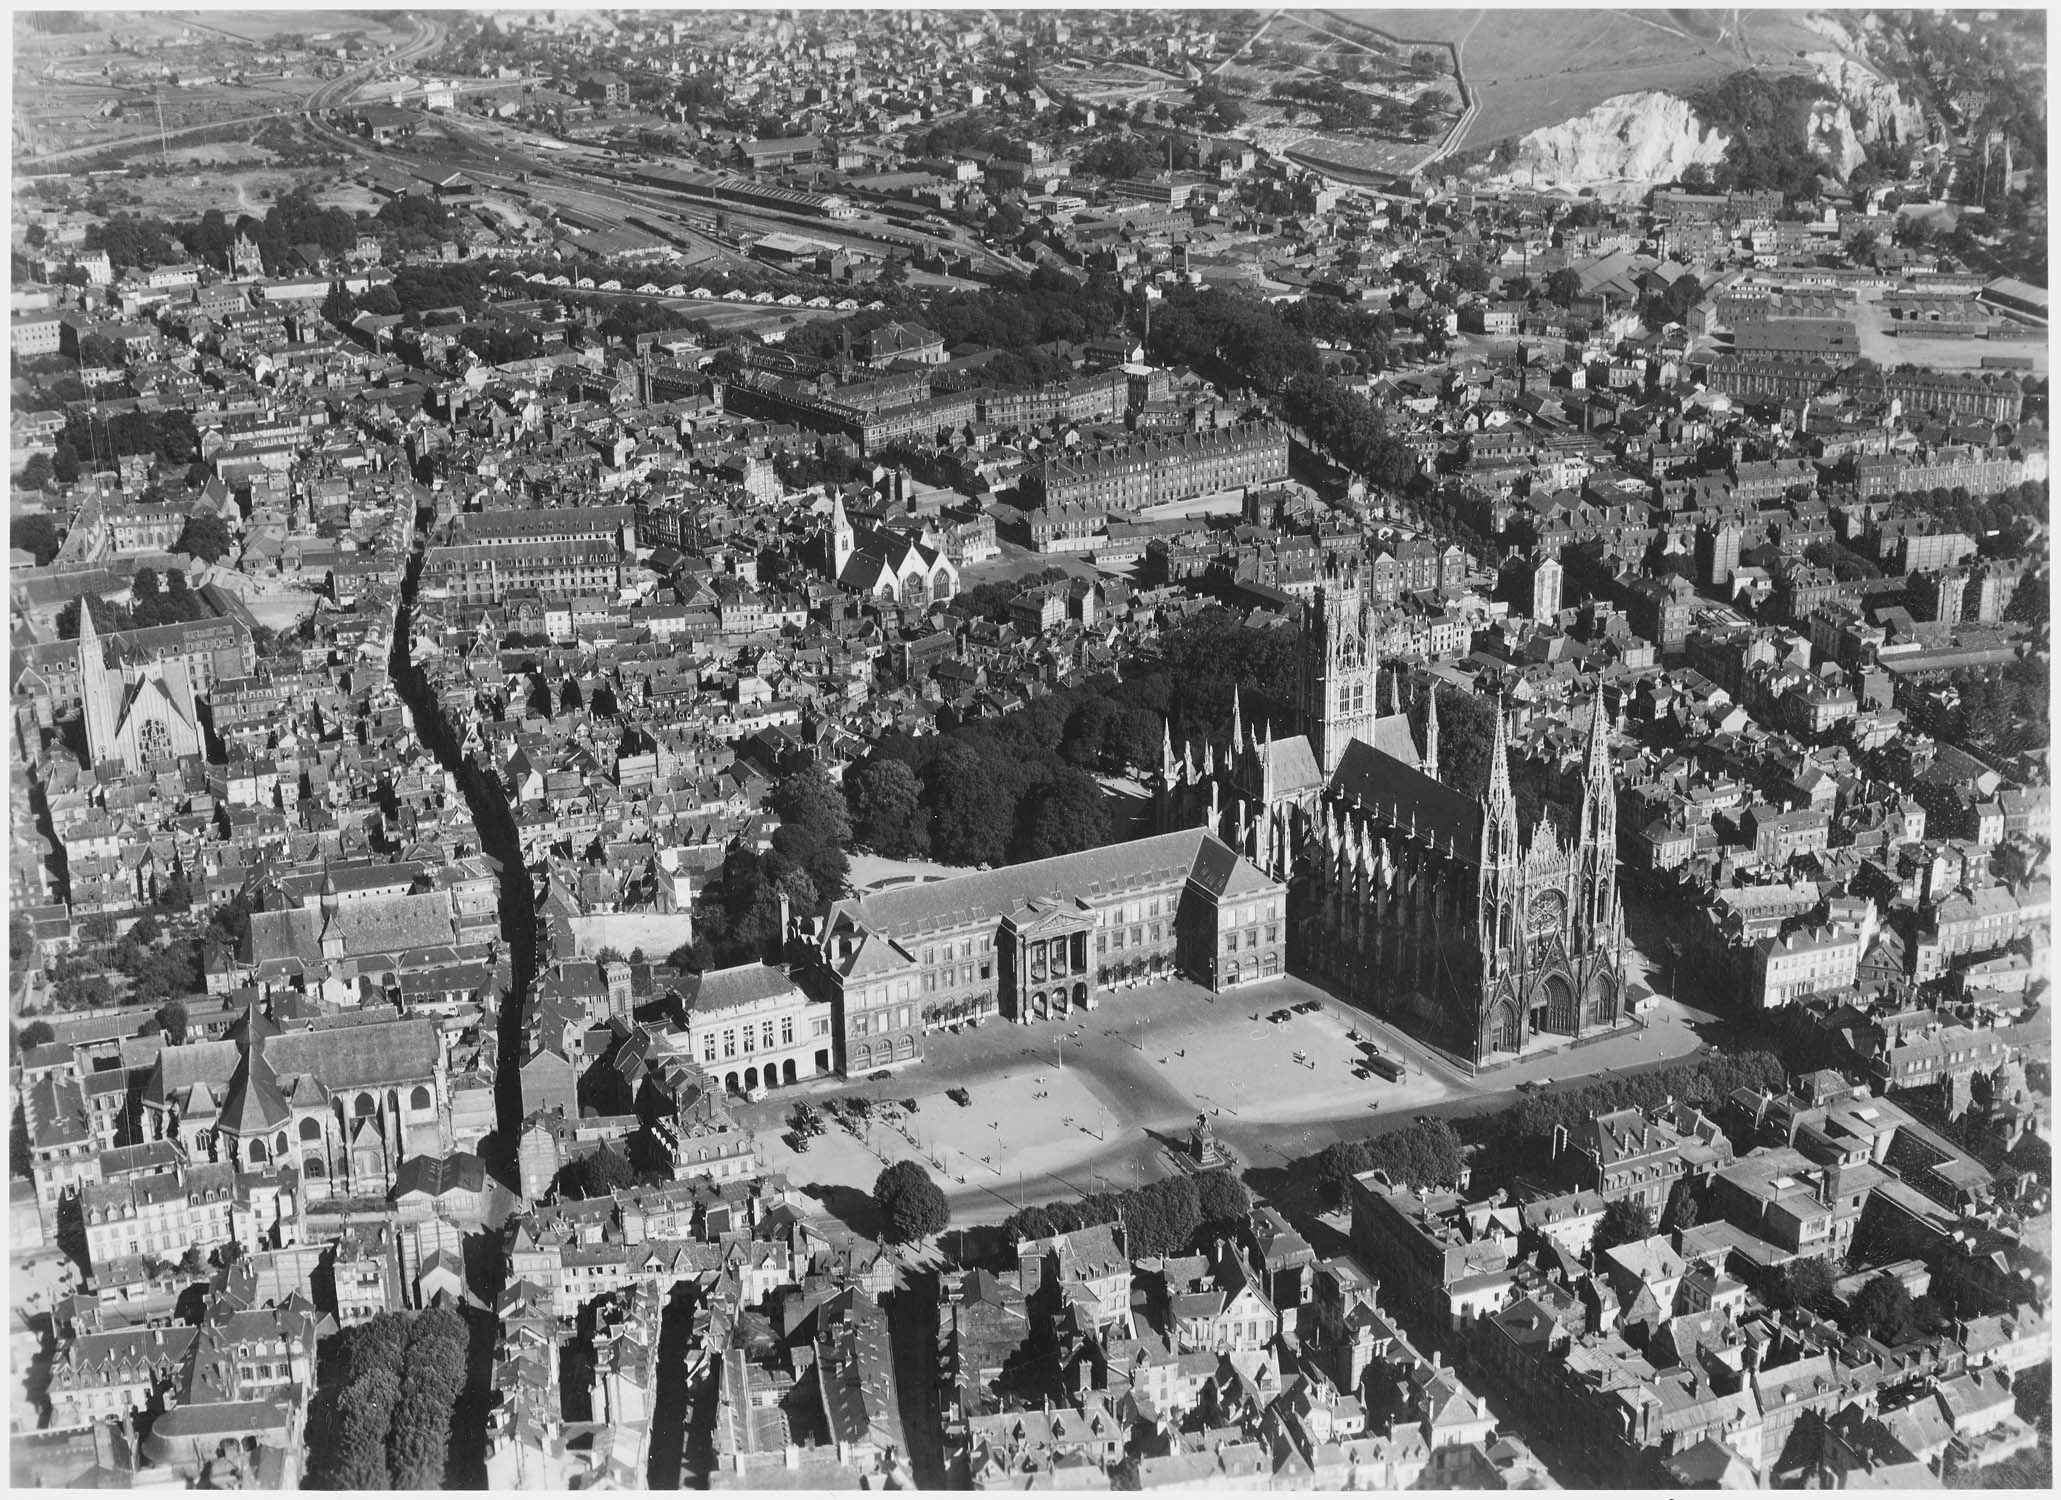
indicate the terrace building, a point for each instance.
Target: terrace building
{"x":1135,"y":476}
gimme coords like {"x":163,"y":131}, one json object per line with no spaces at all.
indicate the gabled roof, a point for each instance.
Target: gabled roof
{"x":254,"y":1105}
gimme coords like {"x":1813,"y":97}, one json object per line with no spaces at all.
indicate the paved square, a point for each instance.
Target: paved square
{"x":1060,"y":1109}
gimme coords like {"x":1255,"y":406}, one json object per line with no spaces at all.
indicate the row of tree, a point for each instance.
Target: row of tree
{"x":1426,"y":1154}
{"x":1429,"y":1152}
{"x":1705,"y":1081}
{"x":1168,"y":1217}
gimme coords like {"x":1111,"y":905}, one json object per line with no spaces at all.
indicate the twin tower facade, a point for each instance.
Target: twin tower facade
{"x":1417,"y":901}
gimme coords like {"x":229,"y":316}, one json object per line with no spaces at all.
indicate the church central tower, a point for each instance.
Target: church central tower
{"x":1339,"y":667}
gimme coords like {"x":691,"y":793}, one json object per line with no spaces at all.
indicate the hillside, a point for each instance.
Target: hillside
{"x":1533,"y":69}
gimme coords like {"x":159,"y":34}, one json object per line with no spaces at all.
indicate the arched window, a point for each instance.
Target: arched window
{"x":419,"y":1099}
{"x":907,"y":1048}
{"x":366,"y":1105}
{"x":311,"y":1129}
{"x":257,"y":1151}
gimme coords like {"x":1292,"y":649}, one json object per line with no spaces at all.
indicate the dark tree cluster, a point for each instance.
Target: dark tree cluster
{"x":1349,"y":428}
{"x":38,"y":534}
{"x":107,"y":436}
{"x":737,"y":918}
{"x":156,"y":603}
{"x":2007,"y":515}
{"x":1231,"y":337}
{"x":158,"y":968}
{"x":1425,"y":1154}
{"x":598,"y":1174}
{"x":1885,"y":1311}
{"x":628,"y":318}
{"x":1161,"y":1218}
{"x":389,"y":1388}
{"x":1019,"y":786}
{"x":2002,"y":709}
{"x":977,"y":130}
{"x":422,"y":289}
{"x":1767,"y":118}
{"x":1703,"y":1081}
{"x":1625,"y":1221}
{"x":1123,"y":156}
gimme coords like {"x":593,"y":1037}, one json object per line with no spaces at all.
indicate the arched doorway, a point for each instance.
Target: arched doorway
{"x":751,"y":1079}
{"x":1599,"y":1004}
{"x":1080,"y":995}
{"x":1553,"y":1006}
{"x":1038,"y":1006}
{"x":1503,"y":1035}
{"x":787,"y":1071}
{"x":730,"y":1082}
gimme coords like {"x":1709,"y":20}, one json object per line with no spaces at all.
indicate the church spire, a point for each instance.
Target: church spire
{"x":95,"y":696}
{"x":1499,"y":764}
{"x":1599,"y":792}
{"x":1431,"y":731}
{"x":1597,"y":759}
{"x":1237,"y":721}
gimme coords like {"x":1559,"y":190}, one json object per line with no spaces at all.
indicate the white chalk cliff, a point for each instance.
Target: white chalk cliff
{"x":1631,"y":138}
{"x":1878,"y":108}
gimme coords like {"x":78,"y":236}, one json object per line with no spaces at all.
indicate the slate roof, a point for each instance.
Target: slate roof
{"x":255,"y":1104}
{"x":743,"y":984}
{"x":1403,"y":796}
{"x":990,"y":895}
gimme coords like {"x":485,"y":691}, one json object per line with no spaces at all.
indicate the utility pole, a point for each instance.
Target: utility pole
{"x":164,"y":152}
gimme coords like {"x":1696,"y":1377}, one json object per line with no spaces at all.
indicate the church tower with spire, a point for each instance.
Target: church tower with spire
{"x":1596,"y":845}
{"x":1339,"y":667}
{"x":843,"y":540}
{"x":1430,"y":766}
{"x":99,"y":691}
{"x":1496,"y":916}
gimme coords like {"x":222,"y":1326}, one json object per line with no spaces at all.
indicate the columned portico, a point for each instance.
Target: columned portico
{"x":1047,"y":961}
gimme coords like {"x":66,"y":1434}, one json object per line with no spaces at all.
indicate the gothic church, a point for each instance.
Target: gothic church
{"x":1405,"y":896}
{"x":146,"y":722}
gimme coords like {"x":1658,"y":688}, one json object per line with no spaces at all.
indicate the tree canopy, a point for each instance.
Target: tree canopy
{"x":1625,"y":1221}
{"x":206,"y":536}
{"x":1426,"y":1153}
{"x":912,"y":1207}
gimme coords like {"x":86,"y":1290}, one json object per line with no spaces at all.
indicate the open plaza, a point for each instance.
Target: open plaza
{"x":1107,"y":1100}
